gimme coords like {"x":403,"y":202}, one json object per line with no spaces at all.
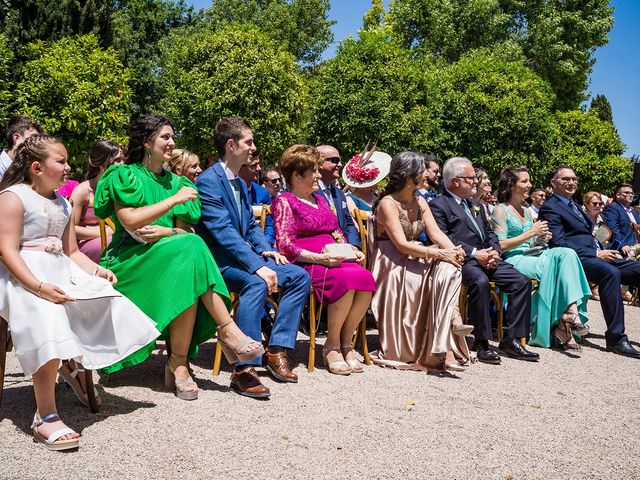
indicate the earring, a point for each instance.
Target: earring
{"x":147,"y":153}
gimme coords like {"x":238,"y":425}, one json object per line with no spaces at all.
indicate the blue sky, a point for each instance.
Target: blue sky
{"x":614,"y":74}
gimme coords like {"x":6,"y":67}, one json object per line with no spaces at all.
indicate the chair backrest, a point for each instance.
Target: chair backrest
{"x":102,"y":224}
{"x":260,"y":212}
{"x":362,"y":216}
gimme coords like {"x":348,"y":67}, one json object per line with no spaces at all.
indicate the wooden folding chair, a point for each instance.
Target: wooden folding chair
{"x":102,"y":224}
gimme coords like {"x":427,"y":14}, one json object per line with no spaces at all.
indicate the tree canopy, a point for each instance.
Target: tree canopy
{"x":209,"y":74}
{"x":76,"y":90}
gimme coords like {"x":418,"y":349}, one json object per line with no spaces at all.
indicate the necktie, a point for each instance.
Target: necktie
{"x":235,"y":184}
{"x":465,"y":207}
{"x":330,"y":193}
{"x":576,"y":211}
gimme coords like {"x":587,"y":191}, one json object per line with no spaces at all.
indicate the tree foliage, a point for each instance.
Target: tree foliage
{"x":139,"y":28}
{"x":6,"y":59}
{"x":496,"y":111}
{"x":301,"y":27}
{"x":557,"y":37}
{"x":76,"y":90}
{"x":602,"y":108}
{"x":593,"y":148}
{"x":236,"y":71}
{"x":371,"y":90}
{"x":25,"y":21}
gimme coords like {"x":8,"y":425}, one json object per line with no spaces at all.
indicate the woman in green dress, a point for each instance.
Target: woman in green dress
{"x":163,"y":267}
{"x":559,"y":306}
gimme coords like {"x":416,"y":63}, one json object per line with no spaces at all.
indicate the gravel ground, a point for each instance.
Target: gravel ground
{"x":565,"y":417}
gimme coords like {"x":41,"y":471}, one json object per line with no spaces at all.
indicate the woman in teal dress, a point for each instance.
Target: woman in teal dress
{"x":163,"y":267}
{"x":559,"y":306}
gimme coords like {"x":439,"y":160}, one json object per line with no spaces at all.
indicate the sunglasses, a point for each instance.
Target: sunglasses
{"x":334,"y":160}
{"x":255,"y":154}
{"x":274,"y":181}
{"x":597,"y":204}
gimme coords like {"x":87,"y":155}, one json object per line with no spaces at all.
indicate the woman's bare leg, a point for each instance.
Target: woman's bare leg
{"x":180,"y":333}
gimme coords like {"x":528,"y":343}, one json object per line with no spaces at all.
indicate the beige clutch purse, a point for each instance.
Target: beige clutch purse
{"x":343,"y":249}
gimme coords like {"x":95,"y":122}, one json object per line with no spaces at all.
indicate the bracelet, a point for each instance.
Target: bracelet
{"x":39,"y":288}
{"x":174,"y":231}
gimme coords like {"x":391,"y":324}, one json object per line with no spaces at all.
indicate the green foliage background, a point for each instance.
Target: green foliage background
{"x":500,"y":81}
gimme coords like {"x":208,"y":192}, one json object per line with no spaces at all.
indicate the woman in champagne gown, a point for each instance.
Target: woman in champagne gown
{"x":418,"y":287}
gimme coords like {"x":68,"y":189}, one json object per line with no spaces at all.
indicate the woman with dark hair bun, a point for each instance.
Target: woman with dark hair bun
{"x":165,"y":269}
{"x":559,"y":306}
{"x":416,"y":301}
{"x":102,"y":155}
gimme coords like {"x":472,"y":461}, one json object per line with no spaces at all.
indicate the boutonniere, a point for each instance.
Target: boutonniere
{"x":476,"y":209}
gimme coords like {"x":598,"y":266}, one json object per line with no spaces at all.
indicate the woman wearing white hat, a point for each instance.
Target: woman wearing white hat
{"x":363,"y":189}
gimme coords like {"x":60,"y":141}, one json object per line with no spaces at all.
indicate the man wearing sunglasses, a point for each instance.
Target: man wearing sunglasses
{"x":327,"y":187}
{"x":622,"y":219}
{"x":273,"y":183}
{"x":571,"y":227}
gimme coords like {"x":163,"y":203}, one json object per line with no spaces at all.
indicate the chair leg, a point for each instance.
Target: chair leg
{"x":217,"y":359}
{"x":91,"y":394}
{"x":498,"y":299}
{"x":4,"y":342}
{"x":312,"y":332}
{"x":365,"y":346}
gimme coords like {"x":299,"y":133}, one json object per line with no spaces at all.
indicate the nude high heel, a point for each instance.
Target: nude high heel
{"x":179,"y":385}
{"x":240,"y":352}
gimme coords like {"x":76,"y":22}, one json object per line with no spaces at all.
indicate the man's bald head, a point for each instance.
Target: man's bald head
{"x":330,"y":168}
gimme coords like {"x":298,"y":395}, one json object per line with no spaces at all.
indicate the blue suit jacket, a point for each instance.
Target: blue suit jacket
{"x":616,"y":218}
{"x":232,"y":241}
{"x":567,"y":229}
{"x":345,"y":220}
{"x":260,"y":196}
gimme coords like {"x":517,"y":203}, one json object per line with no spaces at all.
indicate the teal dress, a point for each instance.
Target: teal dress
{"x":558,"y":271}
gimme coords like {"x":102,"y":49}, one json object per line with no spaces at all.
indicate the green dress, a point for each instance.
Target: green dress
{"x":164,"y":278}
{"x":558,"y":271}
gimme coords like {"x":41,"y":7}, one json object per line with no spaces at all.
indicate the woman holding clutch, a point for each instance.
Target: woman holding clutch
{"x":307,"y":233}
{"x":559,"y":306}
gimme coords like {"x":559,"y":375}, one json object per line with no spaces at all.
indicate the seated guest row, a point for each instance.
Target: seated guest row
{"x":201,"y":241}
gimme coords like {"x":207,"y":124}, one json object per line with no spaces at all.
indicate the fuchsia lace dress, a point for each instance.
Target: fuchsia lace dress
{"x":300,"y":226}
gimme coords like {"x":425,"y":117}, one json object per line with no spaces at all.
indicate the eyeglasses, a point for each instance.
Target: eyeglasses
{"x":597,"y":204}
{"x":274,"y":181}
{"x":627,"y":194}
{"x":334,"y":160}
{"x":568,"y":179}
{"x":471,"y":178}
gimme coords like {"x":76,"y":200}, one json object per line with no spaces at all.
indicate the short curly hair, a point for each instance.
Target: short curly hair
{"x":299,"y":159}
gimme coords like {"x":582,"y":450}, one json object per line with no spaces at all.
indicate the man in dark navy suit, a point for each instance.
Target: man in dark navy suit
{"x":330,"y":171}
{"x":570,"y":227}
{"x":622,"y":219}
{"x":433,"y":178}
{"x":460,"y":218}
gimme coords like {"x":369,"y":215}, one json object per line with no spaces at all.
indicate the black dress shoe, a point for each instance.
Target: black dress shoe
{"x":486,"y":355}
{"x":623,"y":347}
{"x":514,"y":349}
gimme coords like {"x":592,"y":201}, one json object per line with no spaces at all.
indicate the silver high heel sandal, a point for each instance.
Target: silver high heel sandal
{"x":179,"y":385}
{"x":241,"y":351}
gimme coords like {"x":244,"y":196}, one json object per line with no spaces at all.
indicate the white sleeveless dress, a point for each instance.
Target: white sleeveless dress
{"x":99,"y":330}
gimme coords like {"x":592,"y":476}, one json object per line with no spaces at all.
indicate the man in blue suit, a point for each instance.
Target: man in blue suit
{"x":249,"y":264}
{"x":433,"y":178}
{"x":622,"y":219}
{"x":258,"y":195}
{"x":330,"y":171}
{"x":571,"y":227}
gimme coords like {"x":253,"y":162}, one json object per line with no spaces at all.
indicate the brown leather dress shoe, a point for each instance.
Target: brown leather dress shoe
{"x":278,"y":367}
{"x":246,"y":382}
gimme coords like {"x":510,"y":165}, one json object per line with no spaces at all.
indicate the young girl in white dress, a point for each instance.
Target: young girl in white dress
{"x":58,"y":303}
